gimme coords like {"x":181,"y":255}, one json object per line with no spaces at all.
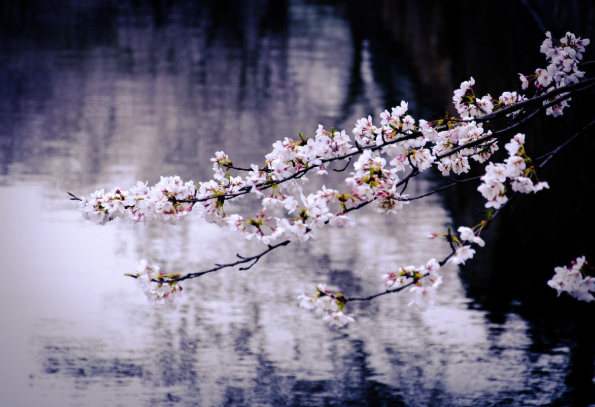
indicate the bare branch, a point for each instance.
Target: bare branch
{"x":555,"y":151}
{"x":73,"y":197}
{"x":432,"y":192}
{"x":344,"y":168}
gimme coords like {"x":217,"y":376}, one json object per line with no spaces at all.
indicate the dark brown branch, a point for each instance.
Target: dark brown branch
{"x":442,"y":188}
{"x":405,"y":181}
{"x":73,"y":197}
{"x":344,"y":168}
{"x":243,"y":260}
{"x":555,"y":151}
{"x":396,"y":290}
{"x":232,"y":167}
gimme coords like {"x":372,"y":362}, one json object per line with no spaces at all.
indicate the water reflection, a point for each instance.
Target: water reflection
{"x":234,"y":76}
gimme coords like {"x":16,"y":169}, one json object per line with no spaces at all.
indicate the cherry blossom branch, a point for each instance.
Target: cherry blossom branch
{"x":568,"y":90}
{"x":450,"y":143}
{"x":449,"y":238}
{"x":576,"y":87}
{"x":300,"y":173}
{"x":486,"y":223}
{"x":255,"y":258}
{"x":243,"y":260}
{"x":497,"y":134}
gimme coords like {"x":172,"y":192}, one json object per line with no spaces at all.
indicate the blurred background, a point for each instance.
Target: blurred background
{"x":205,"y":76}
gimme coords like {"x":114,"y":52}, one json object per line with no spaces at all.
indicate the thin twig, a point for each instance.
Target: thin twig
{"x":555,"y":151}
{"x":344,"y":168}
{"x":73,"y":197}
{"x":442,"y":188}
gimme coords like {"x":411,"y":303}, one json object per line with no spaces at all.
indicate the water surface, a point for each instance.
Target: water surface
{"x":234,"y":76}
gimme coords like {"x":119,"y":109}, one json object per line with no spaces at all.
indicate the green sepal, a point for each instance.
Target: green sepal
{"x":490,"y":214}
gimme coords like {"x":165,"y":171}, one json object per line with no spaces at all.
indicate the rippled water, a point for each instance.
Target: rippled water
{"x":234,"y":76}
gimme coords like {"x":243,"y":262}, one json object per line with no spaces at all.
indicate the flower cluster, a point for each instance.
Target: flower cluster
{"x":213,"y":196}
{"x":312,"y":213}
{"x":460,"y":136}
{"x":469,"y":234}
{"x":574,"y":280}
{"x":393,"y":125}
{"x":221,"y":163}
{"x":159,"y":292}
{"x":141,"y":203}
{"x":514,"y":171}
{"x":291,"y":158}
{"x":423,"y":279}
{"x":371,"y":181}
{"x":468,"y":105}
{"x":462,"y":251}
{"x":562,"y":69}
{"x":397,"y":133}
{"x":330,"y":304}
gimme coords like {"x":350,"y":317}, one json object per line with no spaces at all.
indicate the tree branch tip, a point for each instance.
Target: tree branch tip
{"x":73,"y":196}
